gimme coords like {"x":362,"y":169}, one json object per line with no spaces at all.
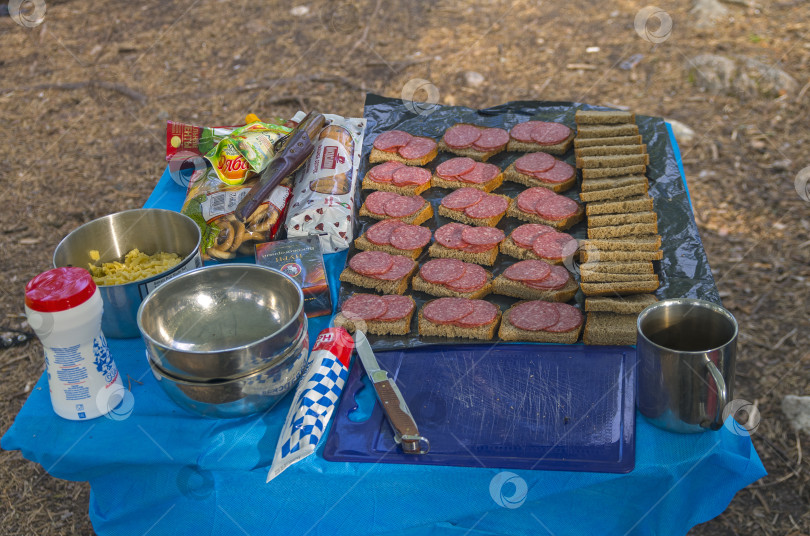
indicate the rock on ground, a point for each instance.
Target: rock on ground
{"x":739,"y":76}
{"x":708,"y":12}
{"x":683,"y":134}
{"x":797,"y":410}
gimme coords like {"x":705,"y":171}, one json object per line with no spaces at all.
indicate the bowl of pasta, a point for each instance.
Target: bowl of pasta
{"x":129,"y":254}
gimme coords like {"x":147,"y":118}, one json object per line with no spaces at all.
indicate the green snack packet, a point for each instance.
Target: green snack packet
{"x":246,"y":148}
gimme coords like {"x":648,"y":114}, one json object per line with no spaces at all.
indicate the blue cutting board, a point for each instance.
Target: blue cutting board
{"x":511,"y":406}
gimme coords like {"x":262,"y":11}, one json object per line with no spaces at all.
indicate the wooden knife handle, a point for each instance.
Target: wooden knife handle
{"x":400,"y":421}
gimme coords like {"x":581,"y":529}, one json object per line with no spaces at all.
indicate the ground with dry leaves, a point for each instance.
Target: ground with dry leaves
{"x":84,"y":98}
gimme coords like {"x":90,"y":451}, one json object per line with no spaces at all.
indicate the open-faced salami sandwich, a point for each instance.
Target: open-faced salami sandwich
{"x":380,"y":315}
{"x":474,"y":207}
{"x":395,"y":237}
{"x":454,"y":278}
{"x":535,"y":279}
{"x":402,"y":147}
{"x":541,"y":169}
{"x":459,"y":317}
{"x":541,"y":205}
{"x":537,"y":241}
{"x":531,"y":136}
{"x":541,"y":321}
{"x":478,"y":245}
{"x":387,"y":205}
{"x":380,"y":271}
{"x":463,"y":171}
{"x":478,"y":143}
{"x":396,"y":177}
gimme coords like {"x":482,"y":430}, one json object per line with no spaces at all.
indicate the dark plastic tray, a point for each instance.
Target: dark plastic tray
{"x":516,"y":406}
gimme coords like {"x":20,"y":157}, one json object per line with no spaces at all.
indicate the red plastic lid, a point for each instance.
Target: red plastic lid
{"x":59,"y":289}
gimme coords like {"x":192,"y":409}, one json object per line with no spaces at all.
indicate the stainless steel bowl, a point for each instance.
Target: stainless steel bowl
{"x":237,"y":397}
{"x":222,"y":322}
{"x":150,"y":230}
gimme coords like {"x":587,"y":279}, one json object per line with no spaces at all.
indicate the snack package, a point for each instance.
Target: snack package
{"x":315,"y":399}
{"x":323,"y":191}
{"x":247,"y":148}
{"x":210,"y":203}
{"x":301,"y":259}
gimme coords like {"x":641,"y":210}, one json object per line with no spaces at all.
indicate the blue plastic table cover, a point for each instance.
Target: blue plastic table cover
{"x":161,"y":470}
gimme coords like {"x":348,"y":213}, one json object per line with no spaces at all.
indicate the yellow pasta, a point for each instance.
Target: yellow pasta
{"x":136,"y":266}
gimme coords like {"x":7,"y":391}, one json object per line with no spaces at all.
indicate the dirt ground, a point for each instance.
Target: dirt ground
{"x":85,"y":95}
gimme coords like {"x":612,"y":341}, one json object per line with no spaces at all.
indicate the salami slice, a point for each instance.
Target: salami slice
{"x":550,"y":133}
{"x":570,"y":318}
{"x":481,"y":173}
{"x":397,"y":307}
{"x":399,"y":269}
{"x":376,"y":201}
{"x":364,"y":307}
{"x":410,"y":176}
{"x":371,"y":263}
{"x":462,"y":198}
{"x":441,"y":271}
{"x":392,"y":140}
{"x":531,"y":163}
{"x":491,"y":139}
{"x":523,"y":131}
{"x":489,"y":207}
{"x":384,"y":172}
{"x":483,"y":236}
{"x":527,"y":199}
{"x":474,"y":278}
{"x":535,"y":315}
{"x":461,"y":136}
{"x":530,"y":270}
{"x":455,"y":167}
{"x":403,"y":206}
{"x":417,"y":148}
{"x":409,"y":237}
{"x":555,"y":208}
{"x":483,"y":313}
{"x":380,"y":232}
{"x":555,"y":245}
{"x":557,"y":279}
{"x":525,"y":235}
{"x":561,"y":172}
{"x":449,"y":235}
{"x":447,"y":310}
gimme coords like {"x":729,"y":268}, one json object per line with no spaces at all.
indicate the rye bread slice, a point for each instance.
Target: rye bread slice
{"x":460,"y":216}
{"x":421,"y":216}
{"x":485,"y":257}
{"x":607,"y":131}
{"x":601,"y":142}
{"x":365,"y":244}
{"x":440,"y":182}
{"x":556,"y":149}
{"x":597,"y":173}
{"x":509,"y":247}
{"x":508,"y":332}
{"x":625,"y":305}
{"x":609,"y":150}
{"x":609,"y":289}
{"x":613,"y":267}
{"x":612,"y":117}
{"x":613,"y":161}
{"x":610,"y":329}
{"x":592,"y":185}
{"x":618,"y":231}
{"x":428,"y":328}
{"x":560,"y":225}
{"x":642,"y":203}
{"x":512,"y":174}
{"x":587,"y":255}
{"x":413,"y":189}
{"x":622,"y":219}
{"x":397,"y":286}
{"x":587,"y":276}
{"x":506,"y":287}
{"x":378,"y":327}
{"x":621,"y":192}
{"x":635,"y":243}
{"x":378,"y":156}
{"x":440,"y":291}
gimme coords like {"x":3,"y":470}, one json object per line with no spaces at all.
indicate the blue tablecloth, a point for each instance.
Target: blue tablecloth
{"x":161,"y":470}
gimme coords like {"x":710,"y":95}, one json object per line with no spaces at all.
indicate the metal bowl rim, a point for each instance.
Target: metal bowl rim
{"x":673,"y":302}
{"x":191,"y":273}
{"x":177,"y":266}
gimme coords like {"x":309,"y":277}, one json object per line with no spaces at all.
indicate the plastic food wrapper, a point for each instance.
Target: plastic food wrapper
{"x":324,"y":187}
{"x":247,"y":148}
{"x":315,"y":399}
{"x":211,"y":202}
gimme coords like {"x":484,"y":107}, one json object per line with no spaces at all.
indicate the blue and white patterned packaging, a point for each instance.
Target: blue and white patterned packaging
{"x":315,"y":399}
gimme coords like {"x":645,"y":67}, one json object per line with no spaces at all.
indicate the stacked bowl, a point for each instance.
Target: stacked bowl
{"x":226,"y":340}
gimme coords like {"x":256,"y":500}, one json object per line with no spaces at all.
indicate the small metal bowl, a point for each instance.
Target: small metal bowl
{"x":223,"y":322}
{"x":151,"y":230}
{"x":237,"y":397}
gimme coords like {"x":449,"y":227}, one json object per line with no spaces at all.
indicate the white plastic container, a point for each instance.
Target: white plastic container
{"x":64,"y":308}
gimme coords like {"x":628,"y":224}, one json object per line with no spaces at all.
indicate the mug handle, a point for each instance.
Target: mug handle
{"x":722,"y":394}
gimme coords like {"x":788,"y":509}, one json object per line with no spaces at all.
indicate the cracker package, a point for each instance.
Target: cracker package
{"x":324,"y":187}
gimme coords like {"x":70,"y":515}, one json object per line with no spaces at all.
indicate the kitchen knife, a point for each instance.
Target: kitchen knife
{"x":399,"y":416}
{"x":296,"y":150}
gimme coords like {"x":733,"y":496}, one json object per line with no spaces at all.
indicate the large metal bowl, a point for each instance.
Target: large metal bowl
{"x":223,"y":322}
{"x":237,"y":397}
{"x":150,"y":230}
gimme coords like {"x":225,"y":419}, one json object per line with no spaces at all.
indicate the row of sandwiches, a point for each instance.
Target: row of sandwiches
{"x":617,"y":273}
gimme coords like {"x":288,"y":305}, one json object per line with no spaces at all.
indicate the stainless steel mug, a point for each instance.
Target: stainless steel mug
{"x":686,"y":355}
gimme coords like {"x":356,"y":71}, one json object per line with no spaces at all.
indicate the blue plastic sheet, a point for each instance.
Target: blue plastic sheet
{"x":161,"y":470}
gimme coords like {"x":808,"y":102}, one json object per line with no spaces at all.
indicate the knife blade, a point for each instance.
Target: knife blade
{"x":406,"y":433}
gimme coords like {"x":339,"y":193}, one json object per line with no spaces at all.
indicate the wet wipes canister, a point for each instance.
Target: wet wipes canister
{"x":64,"y":307}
